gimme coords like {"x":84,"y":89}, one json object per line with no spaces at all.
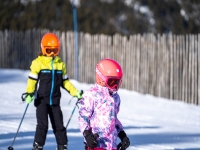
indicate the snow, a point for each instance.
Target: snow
{"x":151,"y":123}
{"x":183,"y":13}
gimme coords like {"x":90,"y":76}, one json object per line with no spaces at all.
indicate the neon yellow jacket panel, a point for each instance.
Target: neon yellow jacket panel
{"x":47,"y":75}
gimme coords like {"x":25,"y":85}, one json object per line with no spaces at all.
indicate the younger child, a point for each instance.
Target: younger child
{"x":99,"y":107}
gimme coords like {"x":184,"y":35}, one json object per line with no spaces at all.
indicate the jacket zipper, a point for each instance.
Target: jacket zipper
{"x":52,"y":83}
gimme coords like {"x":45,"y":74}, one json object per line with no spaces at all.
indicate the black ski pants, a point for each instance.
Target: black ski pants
{"x":44,"y":110}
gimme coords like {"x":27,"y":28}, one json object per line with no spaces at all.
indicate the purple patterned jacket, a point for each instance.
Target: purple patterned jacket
{"x":98,"y":113}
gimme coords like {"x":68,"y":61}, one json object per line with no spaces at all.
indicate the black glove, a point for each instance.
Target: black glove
{"x":125,"y":142}
{"x":90,"y":138}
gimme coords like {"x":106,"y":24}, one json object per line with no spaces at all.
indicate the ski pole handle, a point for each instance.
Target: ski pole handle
{"x":23,"y":96}
{"x":81,"y":92}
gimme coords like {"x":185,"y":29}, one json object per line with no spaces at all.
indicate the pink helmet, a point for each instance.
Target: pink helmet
{"x":109,"y":73}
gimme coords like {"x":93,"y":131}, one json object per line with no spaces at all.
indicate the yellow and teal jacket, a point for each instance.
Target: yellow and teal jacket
{"x":47,"y":75}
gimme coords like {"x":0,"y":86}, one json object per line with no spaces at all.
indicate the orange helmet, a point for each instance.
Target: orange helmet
{"x":109,"y":73}
{"x":50,"y":45}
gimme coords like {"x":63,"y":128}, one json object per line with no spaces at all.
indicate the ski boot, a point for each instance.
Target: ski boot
{"x":62,"y":147}
{"x":36,"y":146}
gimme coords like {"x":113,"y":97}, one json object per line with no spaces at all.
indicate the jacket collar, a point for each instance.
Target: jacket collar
{"x":49,"y":59}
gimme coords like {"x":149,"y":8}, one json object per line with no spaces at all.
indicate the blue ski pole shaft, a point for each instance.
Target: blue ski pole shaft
{"x":10,"y":147}
{"x":71,"y":114}
{"x":76,"y":104}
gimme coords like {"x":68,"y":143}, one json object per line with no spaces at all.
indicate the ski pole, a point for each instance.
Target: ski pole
{"x":71,"y":114}
{"x":11,"y":147}
{"x":73,"y":110}
{"x":70,"y":100}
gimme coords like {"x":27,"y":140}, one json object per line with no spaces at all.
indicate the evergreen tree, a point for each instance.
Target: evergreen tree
{"x":97,"y":16}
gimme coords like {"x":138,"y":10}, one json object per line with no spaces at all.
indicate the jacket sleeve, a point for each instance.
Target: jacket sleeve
{"x":66,"y":82}
{"x":85,"y":111}
{"x":118,"y":124}
{"x":33,"y":77}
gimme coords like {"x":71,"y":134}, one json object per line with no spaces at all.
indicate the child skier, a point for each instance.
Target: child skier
{"x":99,"y":107}
{"x":50,"y":72}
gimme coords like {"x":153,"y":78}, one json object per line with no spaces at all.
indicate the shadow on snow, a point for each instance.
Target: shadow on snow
{"x":24,"y":139}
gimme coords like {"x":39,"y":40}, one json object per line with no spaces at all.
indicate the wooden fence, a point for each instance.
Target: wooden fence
{"x":164,"y":65}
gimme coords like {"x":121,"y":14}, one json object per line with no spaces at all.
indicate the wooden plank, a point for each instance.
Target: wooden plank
{"x":198,"y":54}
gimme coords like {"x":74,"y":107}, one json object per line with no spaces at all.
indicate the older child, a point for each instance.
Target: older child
{"x":50,"y":72}
{"x":99,"y":107}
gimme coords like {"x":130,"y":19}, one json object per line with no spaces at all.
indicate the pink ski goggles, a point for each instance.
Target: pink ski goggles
{"x":112,"y":83}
